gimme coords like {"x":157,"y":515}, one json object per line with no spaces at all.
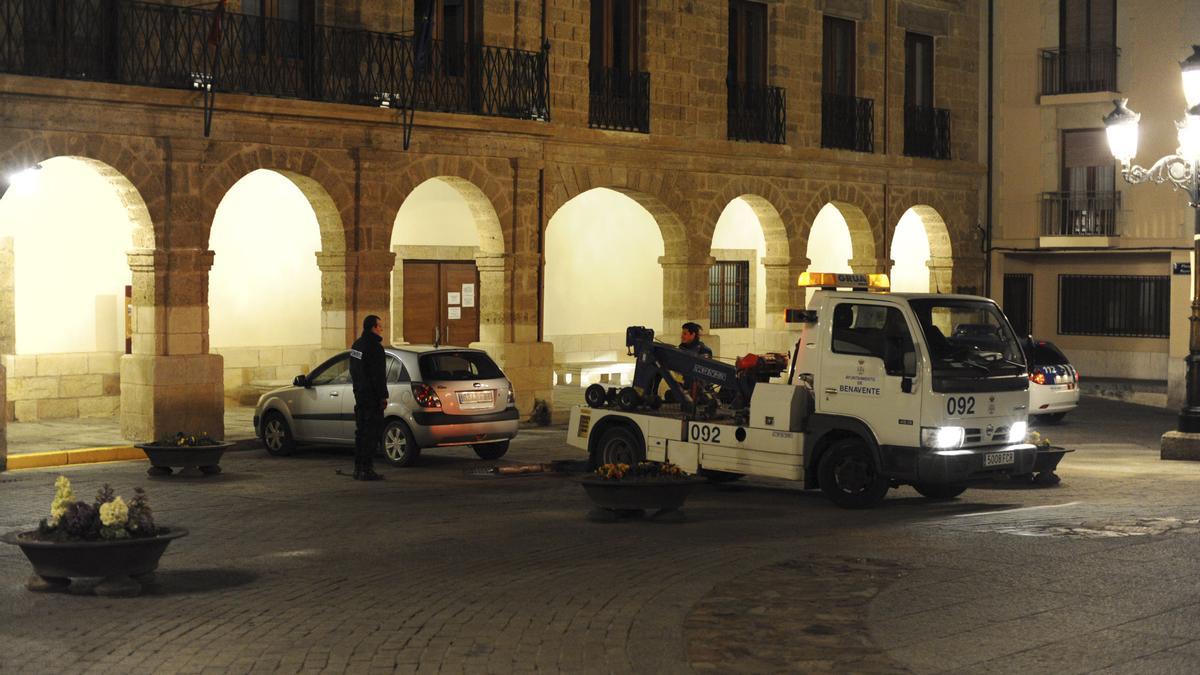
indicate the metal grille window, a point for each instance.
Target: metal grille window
{"x":1117,"y":306}
{"x":729,"y":295}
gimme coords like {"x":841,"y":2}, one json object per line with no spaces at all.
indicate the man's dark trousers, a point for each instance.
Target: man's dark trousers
{"x":368,"y":429}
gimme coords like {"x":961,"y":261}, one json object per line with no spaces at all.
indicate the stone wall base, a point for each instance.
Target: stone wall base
{"x":529,"y":366}
{"x":251,"y":371}
{"x":58,"y":386}
{"x":162,"y":395}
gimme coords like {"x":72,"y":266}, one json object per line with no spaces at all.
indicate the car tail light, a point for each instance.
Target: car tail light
{"x":512,"y":394}
{"x":1037,"y":377}
{"x":425,"y":395}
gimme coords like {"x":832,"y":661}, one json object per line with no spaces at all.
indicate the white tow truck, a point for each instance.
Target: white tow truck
{"x":885,"y":389}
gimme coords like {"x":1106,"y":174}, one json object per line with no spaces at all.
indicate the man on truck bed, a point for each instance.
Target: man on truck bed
{"x":689,"y":340}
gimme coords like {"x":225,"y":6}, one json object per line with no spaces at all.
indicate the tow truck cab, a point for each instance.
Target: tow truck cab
{"x":884,"y":390}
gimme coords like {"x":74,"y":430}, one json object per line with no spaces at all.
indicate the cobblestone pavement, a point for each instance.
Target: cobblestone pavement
{"x":289,"y":567}
{"x":94,"y":432}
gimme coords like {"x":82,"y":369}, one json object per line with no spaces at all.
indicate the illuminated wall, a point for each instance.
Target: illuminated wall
{"x":264,"y":287}
{"x":435,"y":214}
{"x":910,"y":253}
{"x":70,"y":233}
{"x":602,"y":274}
{"x":829,"y":245}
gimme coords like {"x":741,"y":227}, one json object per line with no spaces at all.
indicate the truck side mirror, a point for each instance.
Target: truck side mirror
{"x":906,"y":384}
{"x":910,"y":364}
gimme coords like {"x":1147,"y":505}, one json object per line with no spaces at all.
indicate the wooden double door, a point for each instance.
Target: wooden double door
{"x":441,"y":301}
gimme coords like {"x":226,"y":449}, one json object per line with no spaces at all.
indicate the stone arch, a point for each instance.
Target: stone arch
{"x":485,"y":184}
{"x":774,"y":266}
{"x":125,"y":163}
{"x":328,"y":192}
{"x":941,"y":253}
{"x":491,"y":261}
{"x":859,"y":211}
{"x":660,"y":193}
{"x":944,"y":215}
{"x":769,"y":204}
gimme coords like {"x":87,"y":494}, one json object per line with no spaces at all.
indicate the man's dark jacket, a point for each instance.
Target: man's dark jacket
{"x":697,"y":346}
{"x":368,"y":369}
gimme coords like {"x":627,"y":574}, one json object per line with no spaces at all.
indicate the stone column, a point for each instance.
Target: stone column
{"x":372,"y":293}
{"x":170,"y":383}
{"x":867,"y":266}
{"x":337,"y":330}
{"x":3,"y":420}
{"x":509,"y":319}
{"x":395,"y":328}
{"x":685,"y":297}
{"x":780,"y":283}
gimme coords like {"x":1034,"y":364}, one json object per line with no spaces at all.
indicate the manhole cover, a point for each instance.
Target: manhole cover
{"x":1134,"y":527}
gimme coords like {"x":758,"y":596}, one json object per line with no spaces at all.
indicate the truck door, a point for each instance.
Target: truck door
{"x":869,"y":371}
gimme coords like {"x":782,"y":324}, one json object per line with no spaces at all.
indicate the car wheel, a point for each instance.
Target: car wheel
{"x":940,"y":491}
{"x":491,"y":450}
{"x":618,"y":445}
{"x":399,"y":447}
{"x":277,"y":435}
{"x":849,"y":476}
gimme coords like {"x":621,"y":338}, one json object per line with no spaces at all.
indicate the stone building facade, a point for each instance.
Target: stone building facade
{"x":350,"y":161}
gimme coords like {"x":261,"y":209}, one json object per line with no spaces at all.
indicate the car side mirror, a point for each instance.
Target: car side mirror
{"x":300,"y":381}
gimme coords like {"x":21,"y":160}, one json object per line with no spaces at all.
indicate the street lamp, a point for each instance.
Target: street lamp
{"x":1181,"y":170}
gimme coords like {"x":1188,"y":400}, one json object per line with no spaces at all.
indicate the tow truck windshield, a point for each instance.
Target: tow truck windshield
{"x":970,"y":339}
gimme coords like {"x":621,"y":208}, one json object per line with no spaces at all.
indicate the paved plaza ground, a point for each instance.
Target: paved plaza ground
{"x":289,"y":567}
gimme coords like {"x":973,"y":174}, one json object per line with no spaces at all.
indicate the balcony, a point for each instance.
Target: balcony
{"x":137,"y":43}
{"x":926,"y":132}
{"x":1080,"y":216}
{"x":619,"y":100}
{"x":848,"y":122}
{"x":756,"y":113}
{"x":1078,"y":71}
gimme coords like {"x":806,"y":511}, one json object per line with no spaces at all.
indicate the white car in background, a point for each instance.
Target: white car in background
{"x":1053,"y":382}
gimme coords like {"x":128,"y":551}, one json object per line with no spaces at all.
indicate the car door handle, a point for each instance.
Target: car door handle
{"x":335,"y":393}
{"x":831,"y":390}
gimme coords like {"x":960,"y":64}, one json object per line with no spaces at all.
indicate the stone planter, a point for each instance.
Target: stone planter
{"x":1044,"y":465}
{"x":205,"y":458}
{"x":124,"y":564}
{"x":623,"y":499}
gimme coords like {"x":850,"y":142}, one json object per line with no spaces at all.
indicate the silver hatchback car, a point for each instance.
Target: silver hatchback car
{"x":438,"y":396}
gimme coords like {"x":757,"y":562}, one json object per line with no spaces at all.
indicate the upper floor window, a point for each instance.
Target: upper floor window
{"x":455,"y":24}
{"x":747,"y":42}
{"x":1087,"y":24}
{"x":918,"y":70}
{"x":838,"y":58}
{"x":615,"y":37}
{"x":278,"y":29}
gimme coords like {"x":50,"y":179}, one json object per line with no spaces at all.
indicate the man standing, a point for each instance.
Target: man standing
{"x":368,"y":372}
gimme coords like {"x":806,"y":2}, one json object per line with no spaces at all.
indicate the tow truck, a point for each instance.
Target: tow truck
{"x":876,"y":396}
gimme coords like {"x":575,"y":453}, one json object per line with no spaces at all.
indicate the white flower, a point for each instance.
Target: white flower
{"x":114,"y":513}
{"x":63,"y":496}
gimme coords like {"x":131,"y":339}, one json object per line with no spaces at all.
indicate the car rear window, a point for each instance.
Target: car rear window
{"x":459,"y":366}
{"x":1046,"y":354}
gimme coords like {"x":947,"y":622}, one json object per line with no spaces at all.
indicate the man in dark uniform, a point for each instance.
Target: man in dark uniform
{"x":689,"y":340}
{"x":368,"y":372}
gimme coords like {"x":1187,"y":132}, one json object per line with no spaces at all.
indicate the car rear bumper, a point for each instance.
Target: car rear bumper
{"x":438,"y":428}
{"x":1043,"y":401}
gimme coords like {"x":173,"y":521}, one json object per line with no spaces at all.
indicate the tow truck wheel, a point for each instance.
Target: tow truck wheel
{"x":849,"y":476}
{"x":618,"y":445}
{"x":595,"y":396}
{"x":930,"y":491}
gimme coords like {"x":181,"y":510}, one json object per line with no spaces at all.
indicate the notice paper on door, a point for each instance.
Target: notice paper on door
{"x":468,"y":295}
{"x":454,"y":312}
{"x":453,"y":299}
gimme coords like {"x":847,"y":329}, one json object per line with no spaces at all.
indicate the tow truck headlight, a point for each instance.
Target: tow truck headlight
{"x":1016,"y":433}
{"x":942,"y":438}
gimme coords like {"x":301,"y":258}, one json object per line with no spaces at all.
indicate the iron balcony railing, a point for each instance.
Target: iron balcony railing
{"x":619,"y":99}
{"x":926,"y":132}
{"x":1080,"y":214}
{"x":1079,"y":70}
{"x":757,"y":113}
{"x":156,"y":45}
{"x":848,"y":122}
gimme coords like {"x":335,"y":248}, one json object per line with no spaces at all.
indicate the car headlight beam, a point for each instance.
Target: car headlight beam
{"x":1016,"y":433}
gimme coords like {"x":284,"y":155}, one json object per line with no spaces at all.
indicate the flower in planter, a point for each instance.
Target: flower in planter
{"x":108,"y":517}
{"x":1042,"y":442}
{"x":182,"y":440}
{"x":642,"y":470}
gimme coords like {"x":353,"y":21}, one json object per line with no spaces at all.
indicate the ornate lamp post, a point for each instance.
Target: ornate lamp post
{"x":1182,"y":171}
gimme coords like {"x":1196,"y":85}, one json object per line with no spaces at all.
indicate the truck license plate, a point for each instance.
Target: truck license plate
{"x":476,"y":399}
{"x":998,"y":458}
